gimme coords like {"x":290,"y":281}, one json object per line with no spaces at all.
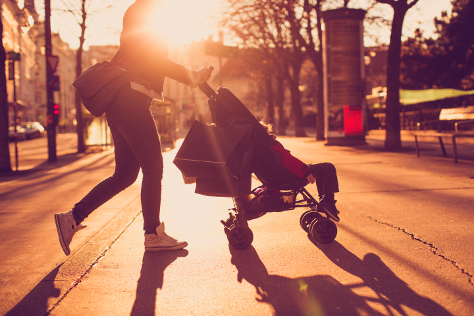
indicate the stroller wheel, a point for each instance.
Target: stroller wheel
{"x":323,"y":230}
{"x":240,"y":237}
{"x":228,"y":222}
{"x":307,"y":218}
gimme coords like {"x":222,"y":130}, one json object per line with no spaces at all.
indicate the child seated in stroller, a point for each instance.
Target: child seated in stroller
{"x":324,"y":174}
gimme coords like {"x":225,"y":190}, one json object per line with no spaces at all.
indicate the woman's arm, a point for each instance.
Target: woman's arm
{"x":179,"y":73}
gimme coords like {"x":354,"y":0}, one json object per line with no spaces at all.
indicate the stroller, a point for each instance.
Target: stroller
{"x":221,"y":158}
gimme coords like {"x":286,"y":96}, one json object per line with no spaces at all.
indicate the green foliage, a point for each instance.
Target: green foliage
{"x":445,"y":62}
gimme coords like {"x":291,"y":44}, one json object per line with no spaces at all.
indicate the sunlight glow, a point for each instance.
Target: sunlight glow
{"x":184,"y":21}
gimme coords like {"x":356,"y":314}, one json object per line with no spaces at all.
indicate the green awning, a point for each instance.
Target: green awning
{"x":418,"y":96}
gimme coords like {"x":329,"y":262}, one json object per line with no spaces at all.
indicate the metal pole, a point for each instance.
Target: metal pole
{"x":15,"y":117}
{"x":220,"y":71}
{"x":50,"y":128}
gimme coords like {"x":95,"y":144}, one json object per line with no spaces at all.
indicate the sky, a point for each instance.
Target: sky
{"x":189,"y":20}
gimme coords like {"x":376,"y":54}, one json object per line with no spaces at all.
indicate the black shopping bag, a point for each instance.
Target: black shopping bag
{"x":218,"y":158}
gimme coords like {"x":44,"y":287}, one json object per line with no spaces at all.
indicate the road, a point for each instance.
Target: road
{"x":404,"y":244}
{"x":29,"y":199}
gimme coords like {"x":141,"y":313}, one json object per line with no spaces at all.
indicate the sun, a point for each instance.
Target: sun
{"x":184,"y":21}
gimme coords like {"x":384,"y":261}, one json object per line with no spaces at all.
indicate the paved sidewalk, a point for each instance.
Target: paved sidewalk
{"x":121,"y":279}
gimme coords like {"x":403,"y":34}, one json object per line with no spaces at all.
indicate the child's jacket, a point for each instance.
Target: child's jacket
{"x":291,"y":163}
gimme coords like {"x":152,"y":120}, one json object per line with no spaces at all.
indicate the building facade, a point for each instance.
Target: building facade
{"x":18,"y":24}
{"x":24,"y":35}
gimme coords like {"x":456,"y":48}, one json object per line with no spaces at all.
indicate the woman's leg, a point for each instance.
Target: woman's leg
{"x":133,"y":120}
{"x":126,"y":172}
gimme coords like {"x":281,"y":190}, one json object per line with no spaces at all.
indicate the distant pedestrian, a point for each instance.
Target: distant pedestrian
{"x":324,"y":174}
{"x":143,"y":53}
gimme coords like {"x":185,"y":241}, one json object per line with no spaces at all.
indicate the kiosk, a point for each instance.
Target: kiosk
{"x":344,"y":76}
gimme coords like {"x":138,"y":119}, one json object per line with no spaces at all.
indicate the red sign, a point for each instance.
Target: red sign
{"x":52,"y":61}
{"x":353,"y":120}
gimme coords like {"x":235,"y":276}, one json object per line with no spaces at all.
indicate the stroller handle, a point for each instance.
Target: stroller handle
{"x":206,"y":89}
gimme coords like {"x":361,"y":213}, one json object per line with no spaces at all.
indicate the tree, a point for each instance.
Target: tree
{"x":5,"y":163}
{"x":264,"y":25}
{"x":81,"y":14}
{"x":418,"y":68}
{"x":81,"y":147}
{"x":445,"y":62}
{"x":296,"y":53}
{"x":392,"y":110}
{"x":456,"y":40}
{"x":309,"y":21}
{"x":247,"y":21}
{"x":253,"y":63}
{"x":302,"y":21}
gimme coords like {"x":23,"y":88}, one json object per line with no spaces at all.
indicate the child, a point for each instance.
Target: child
{"x":324,"y":174}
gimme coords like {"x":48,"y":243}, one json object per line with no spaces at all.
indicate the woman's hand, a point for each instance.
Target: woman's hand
{"x":310,"y":178}
{"x":202,"y":75}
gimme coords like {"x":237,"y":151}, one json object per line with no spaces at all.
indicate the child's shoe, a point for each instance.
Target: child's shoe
{"x":161,"y":241}
{"x":66,"y":227}
{"x":329,"y":207}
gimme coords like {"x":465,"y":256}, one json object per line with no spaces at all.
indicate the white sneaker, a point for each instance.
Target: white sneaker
{"x":66,"y":227}
{"x":161,"y":241}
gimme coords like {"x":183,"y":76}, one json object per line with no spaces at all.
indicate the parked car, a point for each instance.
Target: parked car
{"x":33,"y":129}
{"x":20,"y":133}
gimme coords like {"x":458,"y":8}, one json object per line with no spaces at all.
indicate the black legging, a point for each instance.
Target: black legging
{"x":137,"y":145}
{"x":326,"y":177}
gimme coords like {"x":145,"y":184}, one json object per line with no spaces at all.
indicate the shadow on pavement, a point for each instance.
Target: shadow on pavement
{"x":36,"y":301}
{"x":62,"y":160}
{"x":151,"y":279}
{"x":391,"y":291}
{"x":45,"y":177}
{"x":324,"y":295}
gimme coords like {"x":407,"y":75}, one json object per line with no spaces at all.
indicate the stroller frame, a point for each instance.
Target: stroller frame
{"x":283,"y":191}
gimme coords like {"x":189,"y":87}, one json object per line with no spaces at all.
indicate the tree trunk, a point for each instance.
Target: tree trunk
{"x":5,"y":163}
{"x":279,"y":102}
{"x":294,"y":80}
{"x":270,"y":99}
{"x":392,"y":110}
{"x":316,"y":57}
{"x":320,"y":100}
{"x":318,"y":63}
{"x":296,"y":108}
{"x":81,"y":146}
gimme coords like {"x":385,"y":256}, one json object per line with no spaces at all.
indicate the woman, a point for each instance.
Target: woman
{"x":143,"y":53}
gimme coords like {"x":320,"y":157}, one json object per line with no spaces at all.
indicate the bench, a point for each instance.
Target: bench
{"x":461,"y":116}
